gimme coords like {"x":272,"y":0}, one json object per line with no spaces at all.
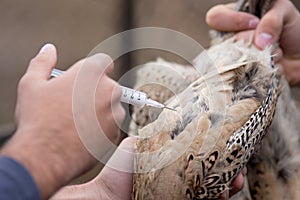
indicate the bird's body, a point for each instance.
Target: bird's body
{"x":222,"y":113}
{"x":221,"y":116}
{"x":274,"y":171}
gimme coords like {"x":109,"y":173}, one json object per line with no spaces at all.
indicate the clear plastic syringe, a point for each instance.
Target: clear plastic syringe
{"x":137,"y":98}
{"x":129,"y":96}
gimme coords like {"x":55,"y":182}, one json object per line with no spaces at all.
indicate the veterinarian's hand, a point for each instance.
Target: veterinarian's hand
{"x":280,"y":25}
{"x":46,"y":141}
{"x":236,"y":186}
{"x":109,"y":184}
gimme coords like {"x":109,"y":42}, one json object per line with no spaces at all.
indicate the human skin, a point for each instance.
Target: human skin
{"x":111,"y":183}
{"x":279,"y":25}
{"x":116,"y":184}
{"x":46,"y":142}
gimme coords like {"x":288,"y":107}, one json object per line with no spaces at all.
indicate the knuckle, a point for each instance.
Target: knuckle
{"x":239,"y":22}
{"x":25,"y":83}
{"x":80,"y":62}
{"x":102,"y":57}
{"x":97,"y":63}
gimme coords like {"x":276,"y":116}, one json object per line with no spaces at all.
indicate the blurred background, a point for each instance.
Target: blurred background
{"x":77,"y":26}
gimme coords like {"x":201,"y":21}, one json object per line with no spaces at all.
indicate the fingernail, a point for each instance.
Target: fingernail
{"x":263,"y":40}
{"x":46,"y":48}
{"x":253,"y":23}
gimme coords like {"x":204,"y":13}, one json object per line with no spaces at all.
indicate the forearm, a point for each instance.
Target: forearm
{"x":46,"y":179}
{"x":113,"y":182}
{"x":48,"y":166}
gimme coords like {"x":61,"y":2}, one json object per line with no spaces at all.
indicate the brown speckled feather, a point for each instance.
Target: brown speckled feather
{"x":273,"y":172}
{"x":222,"y":116}
{"x":196,"y":151}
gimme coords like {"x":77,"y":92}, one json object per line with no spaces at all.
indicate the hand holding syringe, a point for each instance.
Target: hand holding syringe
{"x":129,"y":96}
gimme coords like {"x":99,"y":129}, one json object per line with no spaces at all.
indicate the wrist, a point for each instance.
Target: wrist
{"x":46,"y":168}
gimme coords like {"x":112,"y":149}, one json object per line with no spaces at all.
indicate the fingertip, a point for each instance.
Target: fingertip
{"x":269,"y":29}
{"x":105,"y":62}
{"x":128,"y":143}
{"x":108,"y":62}
{"x":252,"y":23}
{"x":123,"y":157}
{"x":47,"y":48}
{"x":263,"y":39}
{"x":42,"y":64}
{"x":223,"y":18}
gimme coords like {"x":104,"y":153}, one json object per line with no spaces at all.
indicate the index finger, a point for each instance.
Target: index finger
{"x":92,"y":66}
{"x":224,"y":18}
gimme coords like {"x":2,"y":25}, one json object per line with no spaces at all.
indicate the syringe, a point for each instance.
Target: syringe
{"x":138,"y":98}
{"x":129,"y":96}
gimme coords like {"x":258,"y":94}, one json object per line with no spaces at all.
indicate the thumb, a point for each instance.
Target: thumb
{"x":268,"y":32}
{"x":122,"y":159}
{"x":117,"y":173}
{"x":270,"y":27}
{"x":42,"y":64}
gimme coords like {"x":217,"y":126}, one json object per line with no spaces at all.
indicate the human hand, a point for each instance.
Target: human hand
{"x":110,"y":183}
{"x":236,"y":185}
{"x":115,"y":184}
{"x":46,"y":141}
{"x":281,"y":24}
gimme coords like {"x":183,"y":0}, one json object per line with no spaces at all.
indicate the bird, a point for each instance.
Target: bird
{"x":223,"y":115}
{"x":273,"y":170}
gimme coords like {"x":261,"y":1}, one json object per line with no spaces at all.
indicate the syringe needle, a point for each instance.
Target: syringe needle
{"x":170,"y":108}
{"x":156,"y":104}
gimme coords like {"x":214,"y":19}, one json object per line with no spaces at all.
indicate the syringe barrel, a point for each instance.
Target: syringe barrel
{"x":133,"y":97}
{"x":129,"y":95}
